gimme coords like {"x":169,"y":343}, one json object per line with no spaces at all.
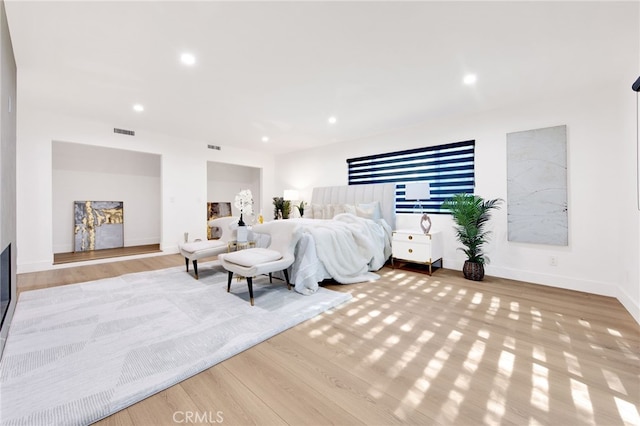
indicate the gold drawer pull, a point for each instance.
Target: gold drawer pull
{"x":411,"y":237}
{"x":410,"y":250}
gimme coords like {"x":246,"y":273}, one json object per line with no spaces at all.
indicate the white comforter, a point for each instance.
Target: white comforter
{"x":346,"y":249}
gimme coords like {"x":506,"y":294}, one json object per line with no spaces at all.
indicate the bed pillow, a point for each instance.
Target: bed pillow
{"x":369,"y":210}
{"x":349,"y":208}
{"x":316,"y":211}
{"x":327,"y":211}
{"x":338,"y":209}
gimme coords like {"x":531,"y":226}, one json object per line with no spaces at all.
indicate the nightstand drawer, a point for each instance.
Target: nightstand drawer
{"x":412,"y":251}
{"x":411,"y":237}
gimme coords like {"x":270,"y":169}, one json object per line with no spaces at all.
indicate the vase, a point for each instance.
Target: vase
{"x":473,"y":271}
{"x":241,"y":234}
{"x":241,"y":222}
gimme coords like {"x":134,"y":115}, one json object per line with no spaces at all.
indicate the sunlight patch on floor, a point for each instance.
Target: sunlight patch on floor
{"x":373,"y":331}
{"x":582,"y":402}
{"x":628,"y":412}
{"x":391,"y":318}
{"x":409,"y":354}
{"x":391,"y":341}
{"x":614,"y":332}
{"x":540,"y":387}
{"x":539,"y":354}
{"x":374,"y":357}
{"x":514,"y":313}
{"x":474,"y":356}
{"x":462,"y":293}
{"x":484,"y":333}
{"x":477,"y":298}
{"x":614,"y":381}
{"x":320,"y":331}
{"x":496,"y":405}
{"x":451,"y":408}
{"x":536,"y":319}
{"x":509,"y":342}
{"x":573,"y":366}
{"x":408,"y":326}
{"x":494,"y":306}
{"x":397,"y":276}
{"x":336,"y":338}
{"x":565,"y":338}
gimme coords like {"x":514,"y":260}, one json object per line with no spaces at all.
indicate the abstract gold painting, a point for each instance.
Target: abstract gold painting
{"x":216,"y":210}
{"x":98,"y":225}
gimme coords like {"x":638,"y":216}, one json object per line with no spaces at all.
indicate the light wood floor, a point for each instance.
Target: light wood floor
{"x":414,"y":349}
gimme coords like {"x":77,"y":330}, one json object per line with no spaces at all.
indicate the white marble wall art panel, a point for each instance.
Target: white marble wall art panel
{"x":537,"y":186}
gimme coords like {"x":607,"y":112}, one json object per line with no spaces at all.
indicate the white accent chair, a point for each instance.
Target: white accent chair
{"x":252,"y":262}
{"x":192,"y":251}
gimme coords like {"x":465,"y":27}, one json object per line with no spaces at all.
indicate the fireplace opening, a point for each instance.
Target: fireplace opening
{"x":5,"y":283}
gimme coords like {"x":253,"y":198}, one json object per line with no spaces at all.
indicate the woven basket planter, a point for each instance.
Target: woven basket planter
{"x":473,"y":271}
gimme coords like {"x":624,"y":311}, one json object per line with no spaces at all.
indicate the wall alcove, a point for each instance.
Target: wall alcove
{"x":94,"y":173}
{"x":225,"y":180}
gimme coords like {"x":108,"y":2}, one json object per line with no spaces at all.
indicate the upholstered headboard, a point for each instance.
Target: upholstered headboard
{"x":385,"y":193}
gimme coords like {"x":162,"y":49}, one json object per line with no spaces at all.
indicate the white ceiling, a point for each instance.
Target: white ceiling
{"x":282,"y":68}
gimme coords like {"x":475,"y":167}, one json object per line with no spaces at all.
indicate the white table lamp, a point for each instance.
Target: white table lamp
{"x":290,"y":194}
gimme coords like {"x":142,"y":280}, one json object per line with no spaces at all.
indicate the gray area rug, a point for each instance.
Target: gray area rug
{"x":80,"y":352}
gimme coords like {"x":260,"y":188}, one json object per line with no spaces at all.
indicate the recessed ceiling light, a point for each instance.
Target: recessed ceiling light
{"x":138,"y":108}
{"x":332,"y":120}
{"x":187,"y":59}
{"x":265,"y":139}
{"x":469,"y":79}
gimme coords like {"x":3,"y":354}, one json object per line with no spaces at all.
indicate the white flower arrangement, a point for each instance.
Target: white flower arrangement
{"x":244,"y":201}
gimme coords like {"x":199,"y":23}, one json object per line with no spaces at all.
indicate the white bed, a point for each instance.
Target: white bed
{"x":346,"y":235}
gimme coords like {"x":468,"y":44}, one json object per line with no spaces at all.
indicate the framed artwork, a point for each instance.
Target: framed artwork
{"x":98,"y":225}
{"x":216,"y":210}
{"x":537,"y":186}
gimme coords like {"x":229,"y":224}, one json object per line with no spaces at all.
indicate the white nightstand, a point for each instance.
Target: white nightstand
{"x":416,"y":247}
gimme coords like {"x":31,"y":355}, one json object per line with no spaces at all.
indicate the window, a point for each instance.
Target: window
{"x":449,"y":169}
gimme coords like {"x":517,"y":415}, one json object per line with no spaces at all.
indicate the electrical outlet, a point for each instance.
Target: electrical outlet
{"x":553,"y":261}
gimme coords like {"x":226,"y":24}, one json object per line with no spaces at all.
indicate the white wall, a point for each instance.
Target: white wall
{"x":226,"y":180}
{"x":183,"y":180}
{"x":601,"y":251}
{"x":85,"y":172}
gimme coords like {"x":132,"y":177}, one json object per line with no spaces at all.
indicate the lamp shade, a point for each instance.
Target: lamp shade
{"x":290,"y":194}
{"x":417,"y":191}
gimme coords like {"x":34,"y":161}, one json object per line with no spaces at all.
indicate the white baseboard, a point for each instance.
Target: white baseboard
{"x":170,"y":248}
{"x":551,"y":280}
{"x":629,"y":304}
{"x":560,"y":281}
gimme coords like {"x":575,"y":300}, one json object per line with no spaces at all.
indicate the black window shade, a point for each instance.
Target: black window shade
{"x":449,"y":169}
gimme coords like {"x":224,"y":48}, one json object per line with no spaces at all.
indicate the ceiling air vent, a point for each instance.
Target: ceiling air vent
{"x":124,"y":132}
{"x":216,"y":147}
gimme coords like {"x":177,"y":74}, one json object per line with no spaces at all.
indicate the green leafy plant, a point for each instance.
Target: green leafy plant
{"x":471,"y":214}
{"x":284,"y":206}
{"x":300,"y":208}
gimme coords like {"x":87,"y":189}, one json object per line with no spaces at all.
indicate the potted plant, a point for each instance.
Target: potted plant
{"x":282,"y":206}
{"x":471,"y":213}
{"x":300,"y":208}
